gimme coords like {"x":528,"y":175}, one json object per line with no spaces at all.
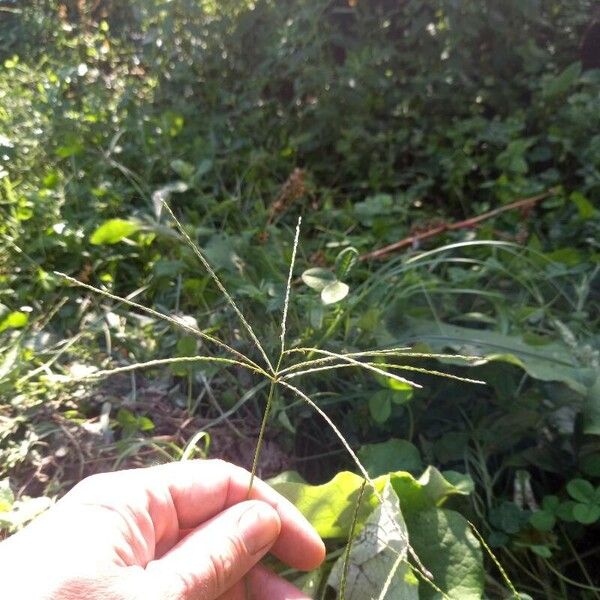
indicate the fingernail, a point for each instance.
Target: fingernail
{"x":259,"y":527}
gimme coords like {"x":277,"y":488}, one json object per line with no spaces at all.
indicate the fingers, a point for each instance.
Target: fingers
{"x":214,"y":557}
{"x":265,"y":585}
{"x":262,"y":584}
{"x":169,"y":499}
{"x":201,"y":489}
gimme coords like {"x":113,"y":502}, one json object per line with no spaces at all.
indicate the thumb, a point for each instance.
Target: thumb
{"x":213,"y":557}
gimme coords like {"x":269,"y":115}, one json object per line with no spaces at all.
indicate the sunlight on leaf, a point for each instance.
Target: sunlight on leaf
{"x":113,"y":231}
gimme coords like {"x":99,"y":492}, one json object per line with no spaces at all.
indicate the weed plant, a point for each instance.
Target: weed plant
{"x":280,"y":373}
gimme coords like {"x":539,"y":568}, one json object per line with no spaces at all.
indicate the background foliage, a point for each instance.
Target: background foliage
{"x":374,"y":121}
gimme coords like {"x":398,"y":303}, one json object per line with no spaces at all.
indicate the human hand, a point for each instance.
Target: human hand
{"x":181,"y":531}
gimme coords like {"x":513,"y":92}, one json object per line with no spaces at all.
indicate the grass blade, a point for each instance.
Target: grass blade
{"x":220,"y":285}
{"x":289,"y":376}
{"x":344,"y":578}
{"x":159,"y":315}
{"x":367,"y":366}
{"x":162,"y":362}
{"x":288,"y":288}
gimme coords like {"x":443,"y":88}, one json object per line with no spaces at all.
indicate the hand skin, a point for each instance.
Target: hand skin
{"x":182,"y":531}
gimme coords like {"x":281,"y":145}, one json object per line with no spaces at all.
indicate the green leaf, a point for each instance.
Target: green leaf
{"x":393,"y":455}
{"x":187,"y":345}
{"x":374,"y":206}
{"x":14,"y":320}
{"x":113,"y":231}
{"x":184,"y":169}
{"x":378,"y":555}
{"x":461,"y":482}
{"x":330,"y":507}
{"x":586,"y":514}
{"x":541,"y":550}
{"x":443,"y":540}
{"x":584,"y":206}
{"x":563,"y":81}
{"x":550,"y":504}
{"x":542,"y":520}
{"x":334,"y":292}
{"x":346,"y":261}
{"x":508,"y":517}
{"x":552,"y":362}
{"x":203,"y":168}
{"x":428,"y":491}
{"x":318,"y":278}
{"x":7,"y":498}
{"x":565,"y":511}
{"x":380,"y":406}
{"x":581,"y":490}
{"x":145,"y":424}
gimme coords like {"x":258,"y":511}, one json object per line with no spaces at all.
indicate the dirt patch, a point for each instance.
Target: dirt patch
{"x":98,"y":434}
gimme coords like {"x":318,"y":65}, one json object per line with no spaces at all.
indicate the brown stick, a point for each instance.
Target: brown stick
{"x":471,"y":222}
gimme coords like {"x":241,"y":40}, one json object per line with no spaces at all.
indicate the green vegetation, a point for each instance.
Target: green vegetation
{"x":376,"y":122}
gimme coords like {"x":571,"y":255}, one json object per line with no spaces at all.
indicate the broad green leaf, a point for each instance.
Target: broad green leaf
{"x":438,"y":488}
{"x":552,"y":362}
{"x":393,"y":455}
{"x":113,"y":231}
{"x":428,"y":491}
{"x":318,"y":278}
{"x":14,"y":320}
{"x":330,"y":507}
{"x":378,"y":556}
{"x":380,"y":406}
{"x":334,"y":292}
{"x":581,"y":490}
{"x":461,"y":482}
{"x":443,"y":541}
{"x":586,"y":514}
{"x":346,"y":261}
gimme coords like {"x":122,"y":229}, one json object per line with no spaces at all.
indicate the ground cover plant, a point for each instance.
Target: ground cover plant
{"x":382,"y":124}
